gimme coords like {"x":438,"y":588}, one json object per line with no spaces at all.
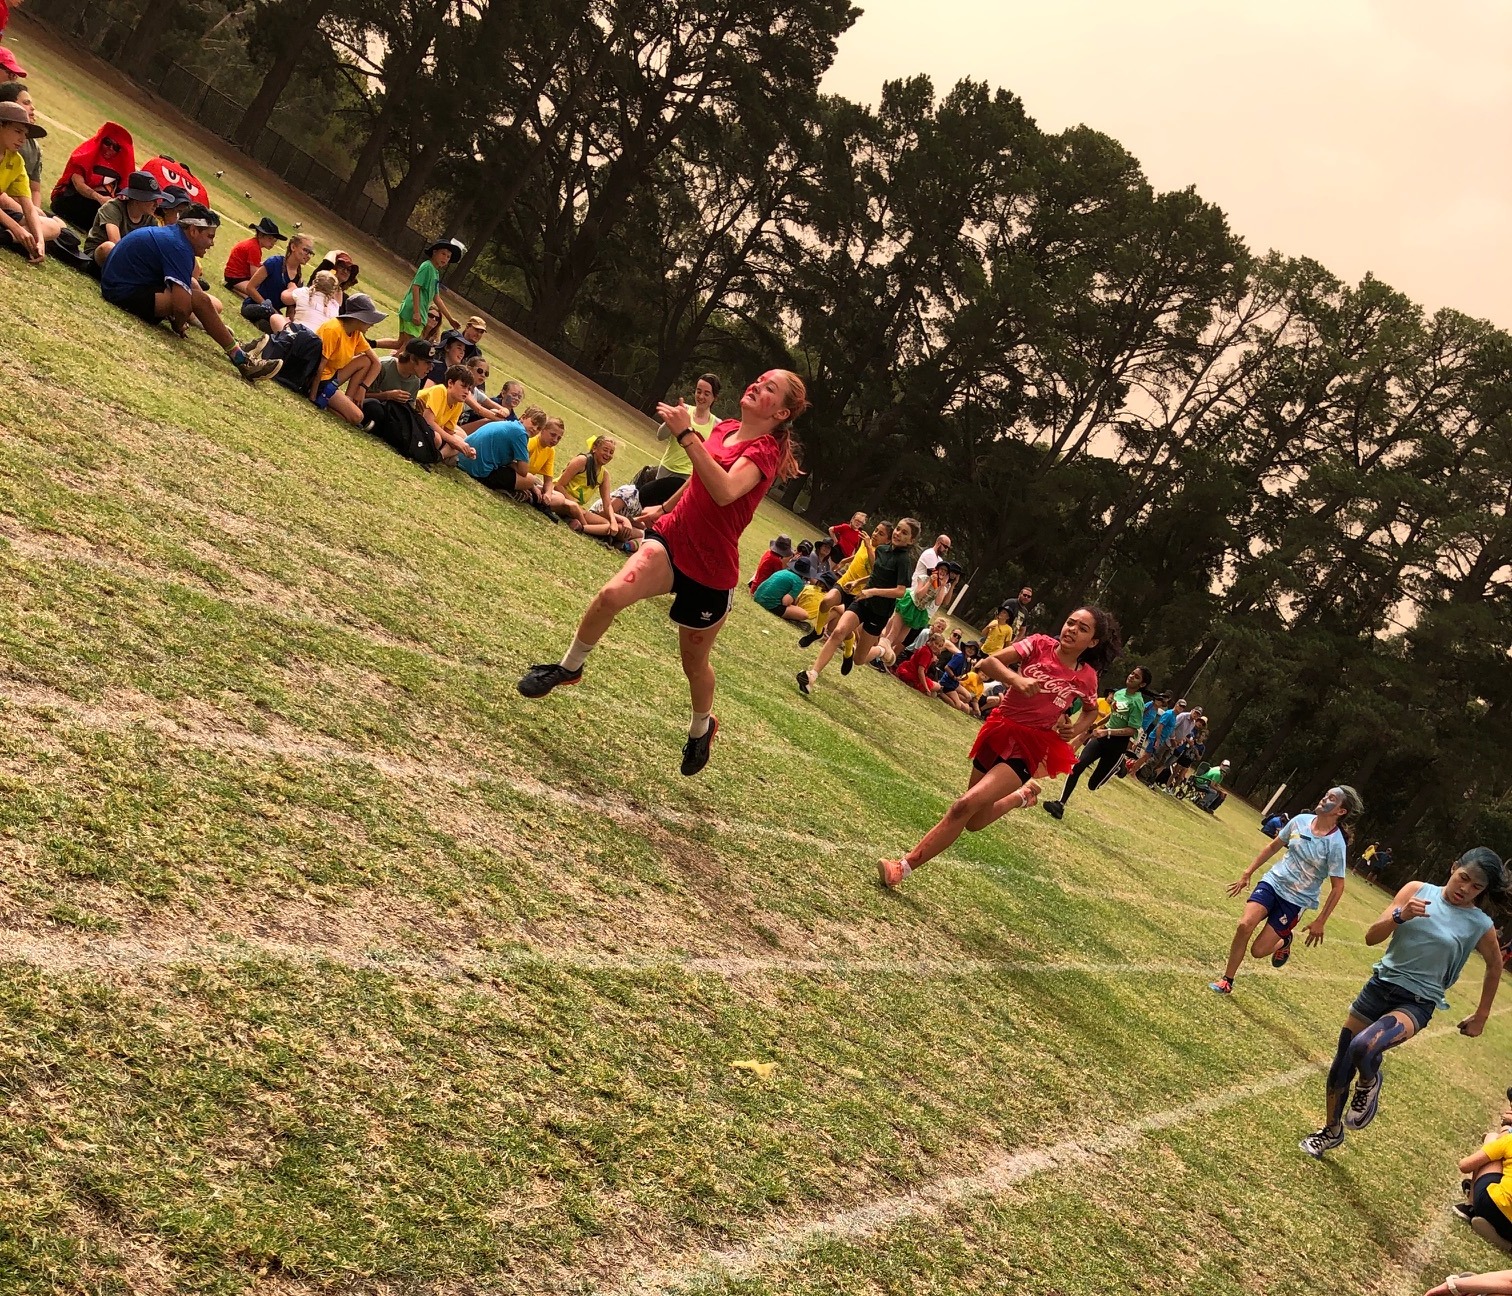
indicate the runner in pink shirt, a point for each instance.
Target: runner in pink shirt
{"x":693,"y":551}
{"x":1026,"y":736}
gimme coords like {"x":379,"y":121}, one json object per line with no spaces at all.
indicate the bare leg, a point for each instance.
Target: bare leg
{"x":1254,"y":915}
{"x":849,"y":623}
{"x":988,"y":797}
{"x":646,"y":573}
{"x":695,"y":646}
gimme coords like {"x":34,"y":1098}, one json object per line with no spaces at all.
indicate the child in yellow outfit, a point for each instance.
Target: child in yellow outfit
{"x":1488,"y":1208}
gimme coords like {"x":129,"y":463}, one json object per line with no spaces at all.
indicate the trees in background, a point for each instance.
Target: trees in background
{"x":1294,"y":491}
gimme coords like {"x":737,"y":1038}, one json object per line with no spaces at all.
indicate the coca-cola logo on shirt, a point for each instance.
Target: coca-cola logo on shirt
{"x":1064,"y":691}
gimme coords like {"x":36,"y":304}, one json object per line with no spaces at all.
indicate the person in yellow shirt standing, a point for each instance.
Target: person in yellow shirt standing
{"x":347,"y":357}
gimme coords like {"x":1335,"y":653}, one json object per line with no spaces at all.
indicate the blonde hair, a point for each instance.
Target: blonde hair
{"x":325,"y":284}
{"x":553,"y":422}
{"x":534,"y":416}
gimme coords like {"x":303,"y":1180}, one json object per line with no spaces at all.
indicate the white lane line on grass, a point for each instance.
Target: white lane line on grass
{"x":1001,"y":1171}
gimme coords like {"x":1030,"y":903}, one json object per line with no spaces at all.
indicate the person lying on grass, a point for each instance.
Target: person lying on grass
{"x":693,"y":550}
{"x":1316,"y":848}
{"x":1025,"y":738}
{"x":151,"y":275}
{"x":16,"y":127}
{"x":1431,"y":932}
{"x":346,"y":358}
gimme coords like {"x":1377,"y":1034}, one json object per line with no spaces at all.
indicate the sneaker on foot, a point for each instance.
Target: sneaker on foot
{"x":1055,"y":809}
{"x":257,"y":370}
{"x":538,"y":681}
{"x":1463,"y":1211}
{"x":1362,"y":1107}
{"x":846,"y":664}
{"x":889,"y":872}
{"x":696,"y":750}
{"x":1223,"y":985}
{"x":804,"y":683}
{"x":255,"y":349}
{"x":1325,"y":1140}
{"x":809,"y":639}
{"x":1283,"y":951}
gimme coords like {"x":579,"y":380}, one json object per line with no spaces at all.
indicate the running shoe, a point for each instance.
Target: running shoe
{"x":1463,"y":1211}
{"x":809,"y":639}
{"x":1055,"y":809}
{"x":696,"y":750}
{"x":847,"y":663}
{"x":804,"y":683}
{"x":1325,"y":1140}
{"x":538,"y":681}
{"x":1223,"y":985}
{"x":257,"y":370}
{"x":1362,"y":1107}
{"x":1283,"y":951}
{"x":889,"y":872}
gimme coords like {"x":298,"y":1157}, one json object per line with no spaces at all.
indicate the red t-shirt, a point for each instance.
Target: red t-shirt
{"x":1059,"y":687}
{"x":912,"y":671}
{"x":847,"y":537}
{"x":245,"y":257}
{"x":704,"y":536}
{"x":770,"y":562}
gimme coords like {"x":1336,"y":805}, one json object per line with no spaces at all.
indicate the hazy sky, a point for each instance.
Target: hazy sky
{"x":1371,"y":135}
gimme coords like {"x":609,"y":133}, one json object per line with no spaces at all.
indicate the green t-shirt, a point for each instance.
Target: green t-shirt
{"x":1128,"y":707}
{"x":390,"y":379}
{"x":1212,"y":777}
{"x":424,"y":286}
{"x":113,"y":213}
{"x":31,"y":154}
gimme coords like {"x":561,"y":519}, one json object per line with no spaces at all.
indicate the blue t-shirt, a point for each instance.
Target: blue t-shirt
{"x":148,"y":258}
{"x":1165,"y":725}
{"x":272,"y":288}
{"x":951,"y":672}
{"x":1427,"y":954}
{"x":769,"y":593}
{"x":498,"y":443}
{"x":1149,"y":716}
{"x":1308,"y":860}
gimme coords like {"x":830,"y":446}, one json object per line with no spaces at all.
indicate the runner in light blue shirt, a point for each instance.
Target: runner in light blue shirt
{"x":1431,"y":930}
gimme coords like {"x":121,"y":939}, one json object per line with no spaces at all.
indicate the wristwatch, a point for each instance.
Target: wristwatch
{"x":1396,"y":916}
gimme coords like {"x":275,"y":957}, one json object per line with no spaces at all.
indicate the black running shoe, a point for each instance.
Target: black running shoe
{"x":1055,"y":809}
{"x":1362,"y":1107}
{"x":538,"y":681}
{"x":1325,"y":1140}
{"x":696,"y":750}
{"x":1464,"y":1211}
{"x":810,"y":639}
{"x":1283,"y":951}
{"x":803,"y":682}
{"x":846,"y":663}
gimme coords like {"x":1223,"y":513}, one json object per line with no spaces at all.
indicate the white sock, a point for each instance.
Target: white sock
{"x":907,"y":867}
{"x":575,"y":656}
{"x":699,"y":725}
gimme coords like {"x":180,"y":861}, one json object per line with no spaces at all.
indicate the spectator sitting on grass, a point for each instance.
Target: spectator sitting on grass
{"x":31,"y":155}
{"x":341,"y":265}
{"x":501,"y":450}
{"x":915,"y":671}
{"x":584,"y":480}
{"x":135,"y":207}
{"x":472,"y":334}
{"x":16,"y":127}
{"x":317,"y":302}
{"x":392,"y":413}
{"x":511,"y":396}
{"x":246,"y":256}
{"x":151,"y":275}
{"x":425,"y":290}
{"x":170,"y":207}
{"x":481,"y":407}
{"x":270,"y":290}
{"x":450,"y":352}
{"x":778,"y":594}
{"x":92,"y":173}
{"x":440,"y":405}
{"x":779,"y":553}
{"x":346,"y":357}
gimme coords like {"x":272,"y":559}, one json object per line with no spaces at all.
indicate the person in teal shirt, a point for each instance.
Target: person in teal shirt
{"x":778,"y":594}
{"x":1109,"y":741}
{"x":1430,"y":933}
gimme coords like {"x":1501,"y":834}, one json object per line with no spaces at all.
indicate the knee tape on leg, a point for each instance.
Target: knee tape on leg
{"x":1343,"y":1068}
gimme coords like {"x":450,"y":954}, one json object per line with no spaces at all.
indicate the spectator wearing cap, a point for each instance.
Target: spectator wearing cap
{"x":151,"y":275}
{"x":247,"y":255}
{"x":390,"y":412}
{"x":10,"y":69}
{"x":16,"y":127}
{"x":449,"y":352}
{"x":347,"y":358}
{"x":345,"y":269}
{"x":31,"y":155}
{"x":270,"y":290}
{"x":472,"y":335}
{"x":425,"y":289}
{"x":779,"y":553}
{"x":134,"y":208}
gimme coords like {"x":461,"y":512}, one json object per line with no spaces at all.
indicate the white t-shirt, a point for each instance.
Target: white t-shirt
{"x":312,"y":310}
{"x":928,"y":561}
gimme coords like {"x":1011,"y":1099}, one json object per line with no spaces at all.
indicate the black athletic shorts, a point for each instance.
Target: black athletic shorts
{"x":1019,"y":767}
{"x":1487,"y":1209}
{"x":141,"y":302}
{"x":694,"y":604}
{"x":874,"y":613}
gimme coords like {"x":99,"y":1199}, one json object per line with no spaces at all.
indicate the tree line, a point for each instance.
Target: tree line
{"x":1292,"y":490}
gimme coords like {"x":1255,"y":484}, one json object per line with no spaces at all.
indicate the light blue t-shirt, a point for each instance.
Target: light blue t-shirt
{"x":1427,"y":954}
{"x":1308,"y":860}
{"x":498,"y":443}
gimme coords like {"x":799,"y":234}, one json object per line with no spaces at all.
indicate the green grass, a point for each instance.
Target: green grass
{"x":333,"y":961}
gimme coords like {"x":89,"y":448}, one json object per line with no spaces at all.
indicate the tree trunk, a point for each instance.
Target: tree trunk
{"x":1254,"y":770}
{"x":280,"y":72}
{"x":397,"y":81}
{"x":408,"y":192}
{"x":141,"y":47}
{"x":1221,"y":730}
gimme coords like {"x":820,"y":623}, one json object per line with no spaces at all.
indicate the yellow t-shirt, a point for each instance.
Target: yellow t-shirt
{"x":809,"y":598}
{"x":1500,"y":1149}
{"x":1104,"y":708}
{"x":578,"y":487}
{"x":997,"y":637}
{"x":542,"y":458}
{"x":13,"y":181}
{"x":857,"y":572}
{"x":972,"y":683}
{"x":434,"y":399}
{"x":339,"y":348}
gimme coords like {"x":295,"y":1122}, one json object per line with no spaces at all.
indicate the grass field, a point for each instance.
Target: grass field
{"x":332,"y":965}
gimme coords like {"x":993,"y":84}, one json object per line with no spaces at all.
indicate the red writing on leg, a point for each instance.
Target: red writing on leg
{"x":629,"y":578}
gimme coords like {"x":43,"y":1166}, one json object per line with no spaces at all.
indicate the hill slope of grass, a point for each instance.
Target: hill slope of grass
{"x":330,"y":964}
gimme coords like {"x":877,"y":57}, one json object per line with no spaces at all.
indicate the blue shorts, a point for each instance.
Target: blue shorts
{"x":1283,"y":914}
{"x":1380,"y":997}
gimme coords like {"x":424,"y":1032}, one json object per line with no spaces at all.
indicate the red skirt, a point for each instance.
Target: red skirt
{"x":1047,"y":754}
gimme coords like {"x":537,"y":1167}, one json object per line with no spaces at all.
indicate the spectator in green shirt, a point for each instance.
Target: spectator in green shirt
{"x":425,"y":289}
{"x":1210,"y":796}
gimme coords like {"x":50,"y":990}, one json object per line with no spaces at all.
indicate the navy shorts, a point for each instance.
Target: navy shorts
{"x":1380,"y":997}
{"x":695,"y":606}
{"x":1283,"y":915}
{"x":1487,"y":1209}
{"x":141,"y":302}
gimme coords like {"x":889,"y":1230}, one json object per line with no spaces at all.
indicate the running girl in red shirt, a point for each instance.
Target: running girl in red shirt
{"x":1026,"y":735}
{"x":693,"y":551}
